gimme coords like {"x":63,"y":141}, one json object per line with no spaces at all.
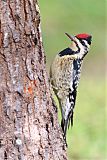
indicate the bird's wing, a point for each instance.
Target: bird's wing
{"x":67,"y":51}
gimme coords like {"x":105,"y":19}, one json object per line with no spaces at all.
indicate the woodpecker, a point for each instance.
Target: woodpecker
{"x":65,"y":75}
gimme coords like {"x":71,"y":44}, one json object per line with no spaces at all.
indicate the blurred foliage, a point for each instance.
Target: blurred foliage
{"x":87,"y":139}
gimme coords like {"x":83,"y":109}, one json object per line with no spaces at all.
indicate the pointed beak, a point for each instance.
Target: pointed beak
{"x":72,"y":38}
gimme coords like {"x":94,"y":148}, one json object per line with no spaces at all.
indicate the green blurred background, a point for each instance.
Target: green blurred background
{"x":87,"y":139}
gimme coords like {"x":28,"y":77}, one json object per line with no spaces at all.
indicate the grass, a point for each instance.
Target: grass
{"x":86,"y":140}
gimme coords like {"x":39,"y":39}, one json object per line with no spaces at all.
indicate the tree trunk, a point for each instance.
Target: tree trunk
{"x":29,"y":128}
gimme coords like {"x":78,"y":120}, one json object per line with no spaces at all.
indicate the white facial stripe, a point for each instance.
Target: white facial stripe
{"x":80,"y":49}
{"x":80,"y":45}
{"x":83,"y":49}
{"x":86,"y":43}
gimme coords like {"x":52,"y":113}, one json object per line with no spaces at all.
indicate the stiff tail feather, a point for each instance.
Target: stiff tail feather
{"x":66,"y":123}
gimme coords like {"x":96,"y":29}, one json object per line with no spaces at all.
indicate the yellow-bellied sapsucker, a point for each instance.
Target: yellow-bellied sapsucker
{"x":65,"y":74}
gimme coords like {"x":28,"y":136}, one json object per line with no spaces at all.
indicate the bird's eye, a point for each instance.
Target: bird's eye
{"x":82,"y":42}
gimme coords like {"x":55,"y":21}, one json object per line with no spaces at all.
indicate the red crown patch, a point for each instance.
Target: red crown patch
{"x":83,"y":36}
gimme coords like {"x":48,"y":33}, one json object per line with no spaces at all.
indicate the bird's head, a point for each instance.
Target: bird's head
{"x":80,"y":43}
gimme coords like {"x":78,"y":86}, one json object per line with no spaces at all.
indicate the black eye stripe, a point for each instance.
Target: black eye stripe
{"x":83,"y":43}
{"x":88,"y":40}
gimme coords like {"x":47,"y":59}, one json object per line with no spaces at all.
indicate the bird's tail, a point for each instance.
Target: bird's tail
{"x":65,"y":123}
{"x":67,"y":119}
{"x":67,"y":105}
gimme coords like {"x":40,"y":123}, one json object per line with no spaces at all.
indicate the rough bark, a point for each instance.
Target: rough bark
{"x":29,"y":128}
